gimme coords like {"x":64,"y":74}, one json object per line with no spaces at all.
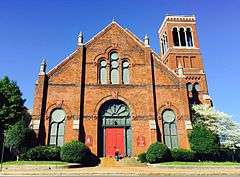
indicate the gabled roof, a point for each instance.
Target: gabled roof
{"x":126,"y":31}
{"x":99,"y":34}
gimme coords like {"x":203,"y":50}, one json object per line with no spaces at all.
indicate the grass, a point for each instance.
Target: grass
{"x":207,"y":163}
{"x":34,"y":163}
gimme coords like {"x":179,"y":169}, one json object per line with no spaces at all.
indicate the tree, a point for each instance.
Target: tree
{"x":11,"y":103}
{"x":220,"y":123}
{"x":19,"y":138}
{"x":204,"y":142}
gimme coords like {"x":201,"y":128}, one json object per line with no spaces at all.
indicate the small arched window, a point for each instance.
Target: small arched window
{"x":175,"y":37}
{"x":189,"y":87}
{"x":189,"y":37}
{"x":163,"y":49}
{"x":114,"y":73}
{"x":125,"y":72}
{"x":166,"y":41}
{"x":196,"y":87}
{"x":170,"y":129}
{"x":182,"y":37}
{"x":56,"y":128}
{"x":103,"y":72}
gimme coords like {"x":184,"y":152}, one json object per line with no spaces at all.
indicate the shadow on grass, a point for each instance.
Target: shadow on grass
{"x":90,"y":161}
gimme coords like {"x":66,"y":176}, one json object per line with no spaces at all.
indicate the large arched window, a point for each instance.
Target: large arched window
{"x":103,"y":72}
{"x":175,"y":36}
{"x":125,"y":72}
{"x":182,"y":37}
{"x":56,"y":129}
{"x":170,"y":129}
{"x":114,"y":73}
{"x":189,"y":37}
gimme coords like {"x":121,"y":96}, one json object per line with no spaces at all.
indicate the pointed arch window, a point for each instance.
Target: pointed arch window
{"x":170,"y":128}
{"x":114,"y":65}
{"x":125,"y":72}
{"x":56,"y":128}
{"x":103,"y":71}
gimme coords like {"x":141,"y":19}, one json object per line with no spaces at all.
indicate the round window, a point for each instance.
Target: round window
{"x":58,"y":115}
{"x":168,"y":116}
{"x":114,"y":56}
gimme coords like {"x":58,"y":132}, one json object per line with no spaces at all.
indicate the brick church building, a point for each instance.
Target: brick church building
{"x":115,"y":92}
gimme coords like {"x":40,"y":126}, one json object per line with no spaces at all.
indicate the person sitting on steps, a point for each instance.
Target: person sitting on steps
{"x":117,"y":154}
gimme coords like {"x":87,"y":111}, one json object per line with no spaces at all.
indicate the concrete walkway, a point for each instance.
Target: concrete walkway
{"x":134,"y":171}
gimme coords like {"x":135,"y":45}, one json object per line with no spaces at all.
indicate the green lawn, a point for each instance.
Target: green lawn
{"x":35,"y":163}
{"x":200,"y":163}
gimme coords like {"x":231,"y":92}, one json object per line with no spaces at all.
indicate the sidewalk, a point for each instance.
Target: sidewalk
{"x":131,"y":171}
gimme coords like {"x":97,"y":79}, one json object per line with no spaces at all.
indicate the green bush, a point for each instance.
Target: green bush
{"x":142,"y":157}
{"x":158,"y":152}
{"x":42,"y":153}
{"x":183,"y":155}
{"x":75,"y":152}
{"x":204,"y":142}
{"x":20,"y":138}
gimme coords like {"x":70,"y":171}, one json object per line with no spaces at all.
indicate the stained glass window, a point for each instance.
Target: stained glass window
{"x":125,"y":72}
{"x":57,"y":124}
{"x":103,"y":72}
{"x":114,"y":68}
{"x":115,"y":114}
{"x":170,"y":129}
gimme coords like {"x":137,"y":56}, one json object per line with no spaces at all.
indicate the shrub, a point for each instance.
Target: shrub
{"x":227,"y":154}
{"x":40,"y":153}
{"x":142,"y":157}
{"x":184,"y":155}
{"x":75,"y":152}
{"x":20,"y":138}
{"x":158,"y":152}
{"x":204,"y":142}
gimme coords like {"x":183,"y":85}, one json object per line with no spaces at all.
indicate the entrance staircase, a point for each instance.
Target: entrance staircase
{"x":125,"y":162}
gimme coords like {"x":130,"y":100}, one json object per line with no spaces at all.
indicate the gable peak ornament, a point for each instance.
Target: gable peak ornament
{"x":43,"y":67}
{"x":80,"y":39}
{"x":146,"y":41}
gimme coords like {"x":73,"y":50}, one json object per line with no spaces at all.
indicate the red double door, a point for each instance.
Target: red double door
{"x":114,"y":140}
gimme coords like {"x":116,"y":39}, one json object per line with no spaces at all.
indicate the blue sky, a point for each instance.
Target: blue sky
{"x":32,"y":30}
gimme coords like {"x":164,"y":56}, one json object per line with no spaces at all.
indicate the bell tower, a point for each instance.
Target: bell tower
{"x":180,"y":50}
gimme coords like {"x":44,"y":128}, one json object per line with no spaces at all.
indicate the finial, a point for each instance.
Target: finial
{"x":113,"y":20}
{"x":146,"y":41}
{"x":43,"y":67}
{"x":180,"y":70}
{"x":80,"y":39}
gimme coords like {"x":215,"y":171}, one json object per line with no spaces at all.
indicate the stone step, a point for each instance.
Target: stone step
{"x":112,"y":162}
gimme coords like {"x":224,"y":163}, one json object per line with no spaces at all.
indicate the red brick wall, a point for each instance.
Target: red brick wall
{"x":153,"y":87}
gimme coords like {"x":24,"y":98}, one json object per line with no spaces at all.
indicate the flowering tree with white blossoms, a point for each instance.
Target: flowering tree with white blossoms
{"x":218,"y":122}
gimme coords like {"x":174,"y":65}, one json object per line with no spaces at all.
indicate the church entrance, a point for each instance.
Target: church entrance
{"x":114,"y":140}
{"x":114,"y":129}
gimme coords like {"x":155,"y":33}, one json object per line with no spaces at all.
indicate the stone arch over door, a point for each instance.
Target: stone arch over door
{"x":114,"y":128}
